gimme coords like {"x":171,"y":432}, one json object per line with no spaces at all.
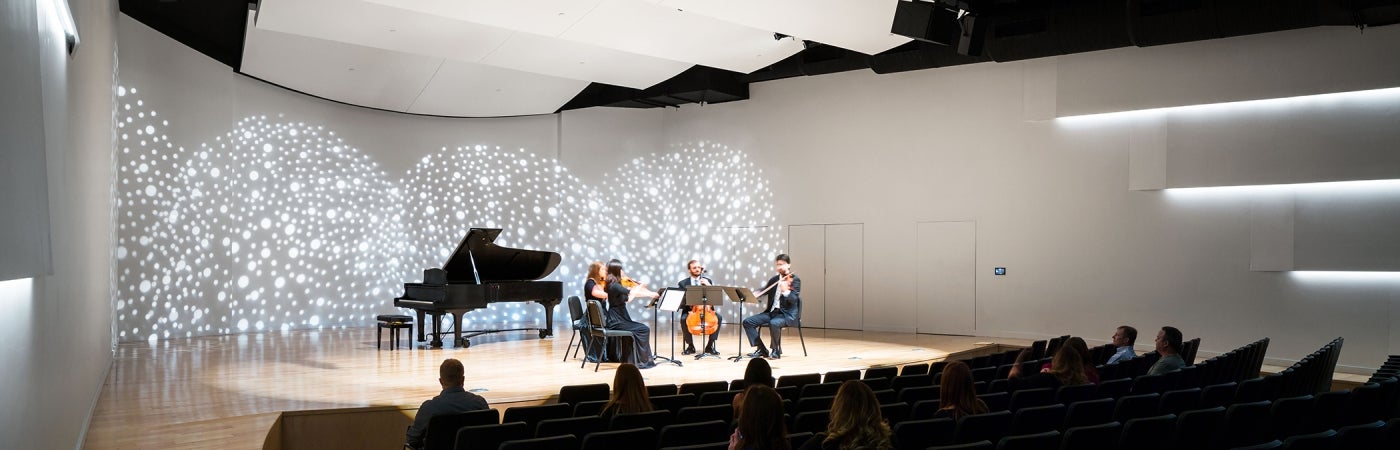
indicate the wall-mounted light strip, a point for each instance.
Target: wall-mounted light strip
{"x":62,"y":14}
{"x":1345,"y":276}
{"x":1360,"y":187}
{"x":21,"y":287}
{"x":1386,"y":95}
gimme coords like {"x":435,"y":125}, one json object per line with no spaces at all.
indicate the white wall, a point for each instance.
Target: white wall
{"x":1051,"y":198}
{"x":1071,"y":207}
{"x":58,"y":341}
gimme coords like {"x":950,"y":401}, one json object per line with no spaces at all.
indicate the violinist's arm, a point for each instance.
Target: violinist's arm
{"x":599,"y":293}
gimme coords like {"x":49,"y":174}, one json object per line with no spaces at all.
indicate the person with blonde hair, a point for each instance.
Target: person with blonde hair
{"x":856,"y":422}
{"x":957,"y":395}
{"x":761,"y":424}
{"x":629,"y":393}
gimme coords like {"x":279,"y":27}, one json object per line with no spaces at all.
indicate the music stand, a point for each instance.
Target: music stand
{"x":741,"y":296}
{"x":669,"y":301}
{"x":700,"y":295}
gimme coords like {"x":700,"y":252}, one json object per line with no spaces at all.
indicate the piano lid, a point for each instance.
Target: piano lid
{"x":495,"y":264}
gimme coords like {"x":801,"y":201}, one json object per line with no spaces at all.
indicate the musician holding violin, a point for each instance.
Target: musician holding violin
{"x":784,"y":308}
{"x":699,"y":319}
{"x":620,"y":289}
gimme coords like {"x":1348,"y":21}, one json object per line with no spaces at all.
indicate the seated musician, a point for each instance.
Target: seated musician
{"x":620,"y":289}
{"x":593,"y":290}
{"x":784,"y":308}
{"x":697,"y":278}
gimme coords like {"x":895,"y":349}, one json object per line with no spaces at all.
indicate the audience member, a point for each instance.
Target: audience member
{"x":1169,"y":346}
{"x":856,"y":422}
{"x":629,"y":392}
{"x":1123,"y":338}
{"x":1066,"y":369}
{"x":1021,"y":358}
{"x":758,"y":372}
{"x":957,"y":395}
{"x":761,"y":423}
{"x":453,"y":399}
{"x":1077,"y":343}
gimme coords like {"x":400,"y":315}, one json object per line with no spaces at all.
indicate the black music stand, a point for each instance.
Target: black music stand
{"x":700,"y":295}
{"x":666,"y":300}
{"x":741,"y":296}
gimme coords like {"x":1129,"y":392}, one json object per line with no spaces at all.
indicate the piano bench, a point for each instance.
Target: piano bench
{"x":394,"y":322}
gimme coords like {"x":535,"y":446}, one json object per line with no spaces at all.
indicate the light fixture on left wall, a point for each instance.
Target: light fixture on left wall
{"x":64,"y":15}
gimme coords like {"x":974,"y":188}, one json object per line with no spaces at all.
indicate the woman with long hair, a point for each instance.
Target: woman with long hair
{"x":1080,"y":347}
{"x":856,"y":422}
{"x":957,"y":395}
{"x":1068,"y":367}
{"x":619,"y":319}
{"x":761,"y":425}
{"x":593,"y":290}
{"x":757,"y":373}
{"x":629,"y":393}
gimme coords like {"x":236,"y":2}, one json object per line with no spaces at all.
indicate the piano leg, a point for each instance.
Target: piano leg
{"x":548,"y":317}
{"x":457,"y":331}
{"x":420,"y":325}
{"x":437,"y":331}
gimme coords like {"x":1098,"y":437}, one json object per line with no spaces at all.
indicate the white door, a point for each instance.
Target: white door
{"x":807,"y":248}
{"x":844,"y":278}
{"x":947,"y":277}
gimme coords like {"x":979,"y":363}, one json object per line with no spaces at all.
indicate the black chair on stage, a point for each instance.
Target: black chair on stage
{"x":597,"y":327}
{"x":578,"y":323}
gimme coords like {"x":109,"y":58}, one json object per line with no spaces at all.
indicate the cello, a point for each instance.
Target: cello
{"x":703,"y":320}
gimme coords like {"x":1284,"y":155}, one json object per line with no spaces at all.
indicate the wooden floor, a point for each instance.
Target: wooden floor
{"x":227,"y":391}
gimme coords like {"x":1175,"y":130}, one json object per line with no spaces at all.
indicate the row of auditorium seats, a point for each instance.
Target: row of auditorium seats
{"x":1028,"y":417}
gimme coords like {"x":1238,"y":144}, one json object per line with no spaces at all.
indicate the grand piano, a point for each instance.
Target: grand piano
{"x":480,"y":273}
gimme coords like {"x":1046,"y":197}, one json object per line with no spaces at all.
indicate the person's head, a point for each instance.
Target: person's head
{"x":1068,"y":366}
{"x":451,"y":373}
{"x":614,"y":270}
{"x":595,"y":271}
{"x":1021,"y":357}
{"x":695,"y":268}
{"x":758,"y":372}
{"x":1169,"y":341}
{"x":629,"y":392}
{"x":1077,"y":343}
{"x":782,"y":263}
{"x":957,"y":391}
{"x":1124,"y":336}
{"x":761,"y":424}
{"x":856,"y":421}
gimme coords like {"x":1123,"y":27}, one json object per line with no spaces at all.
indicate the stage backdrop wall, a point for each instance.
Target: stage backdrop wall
{"x":57,"y":339}
{"x":284,"y":212}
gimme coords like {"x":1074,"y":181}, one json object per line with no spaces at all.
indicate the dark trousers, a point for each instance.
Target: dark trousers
{"x":775,"y":320}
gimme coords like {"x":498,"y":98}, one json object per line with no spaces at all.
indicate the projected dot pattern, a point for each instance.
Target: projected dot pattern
{"x":280,"y":225}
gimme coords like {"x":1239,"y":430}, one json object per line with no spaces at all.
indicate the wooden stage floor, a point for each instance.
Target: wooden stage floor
{"x":227,"y":391}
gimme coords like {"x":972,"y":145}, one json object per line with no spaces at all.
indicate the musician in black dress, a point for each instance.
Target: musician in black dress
{"x":593,"y":290}
{"x":619,"y":292}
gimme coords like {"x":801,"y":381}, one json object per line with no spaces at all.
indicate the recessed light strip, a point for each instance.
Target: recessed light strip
{"x":1383,"y":95}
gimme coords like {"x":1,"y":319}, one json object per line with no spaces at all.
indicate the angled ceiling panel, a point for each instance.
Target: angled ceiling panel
{"x":550,"y":56}
{"x":342,"y":72}
{"x":475,"y":90}
{"x":378,"y":26}
{"x":863,"y":26}
{"x":542,"y":17}
{"x":663,"y":32}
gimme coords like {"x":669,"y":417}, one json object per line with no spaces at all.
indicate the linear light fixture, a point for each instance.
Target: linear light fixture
{"x":1282,"y":103}
{"x":1329,"y":187}
{"x":1345,"y":276}
{"x":64,"y":15}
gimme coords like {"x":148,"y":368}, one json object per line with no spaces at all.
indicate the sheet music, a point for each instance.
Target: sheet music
{"x":671,"y":299}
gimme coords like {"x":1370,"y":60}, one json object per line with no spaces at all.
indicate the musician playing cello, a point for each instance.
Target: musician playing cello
{"x":697,"y":278}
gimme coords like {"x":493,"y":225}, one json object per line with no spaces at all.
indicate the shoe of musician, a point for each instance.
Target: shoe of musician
{"x":688,"y":351}
{"x":711,"y":351}
{"x":760,"y":353}
{"x":776,"y":354}
{"x":646,"y":365}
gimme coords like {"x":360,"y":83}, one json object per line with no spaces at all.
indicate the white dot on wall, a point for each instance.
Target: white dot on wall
{"x":242,"y":324}
{"x":243,"y":281}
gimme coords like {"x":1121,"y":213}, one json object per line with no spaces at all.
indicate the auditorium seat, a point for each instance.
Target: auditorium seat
{"x":999,"y":401}
{"x":716,"y":398}
{"x":1037,"y":419}
{"x":1027,"y":398}
{"x":442,"y":428}
{"x":651,"y":419}
{"x":1323,"y":440}
{"x":673,"y":403}
{"x":1245,"y":424}
{"x":694,"y":414}
{"x":979,"y":445}
{"x":916,"y":394}
{"x":841,"y":376}
{"x":799,"y":380}
{"x":1131,"y":407}
{"x":921,"y":434}
{"x":1289,"y":416}
{"x":676,"y":435}
{"x":490,"y":436}
{"x":914,"y":369}
{"x":812,"y":421}
{"x":818,"y":390}
{"x":532,"y":415}
{"x":584,"y":393}
{"x":1036,"y":441}
{"x":895,"y":413}
{"x":988,"y":426}
{"x":1174,"y":402}
{"x":1089,"y":412}
{"x":1092,"y":437}
{"x":703,"y":387}
{"x":657,"y":390}
{"x":1195,"y":428}
{"x":886,"y":372}
{"x":1148,"y":433}
{"x":1076,"y":393}
{"x":636,"y":438}
{"x":1362,"y":436}
{"x":589,"y":408}
{"x":576,"y":426}
{"x":814,"y":403}
{"x":564,"y":442}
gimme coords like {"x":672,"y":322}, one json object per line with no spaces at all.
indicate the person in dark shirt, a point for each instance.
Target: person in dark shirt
{"x":629,"y":393}
{"x":453,"y":399}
